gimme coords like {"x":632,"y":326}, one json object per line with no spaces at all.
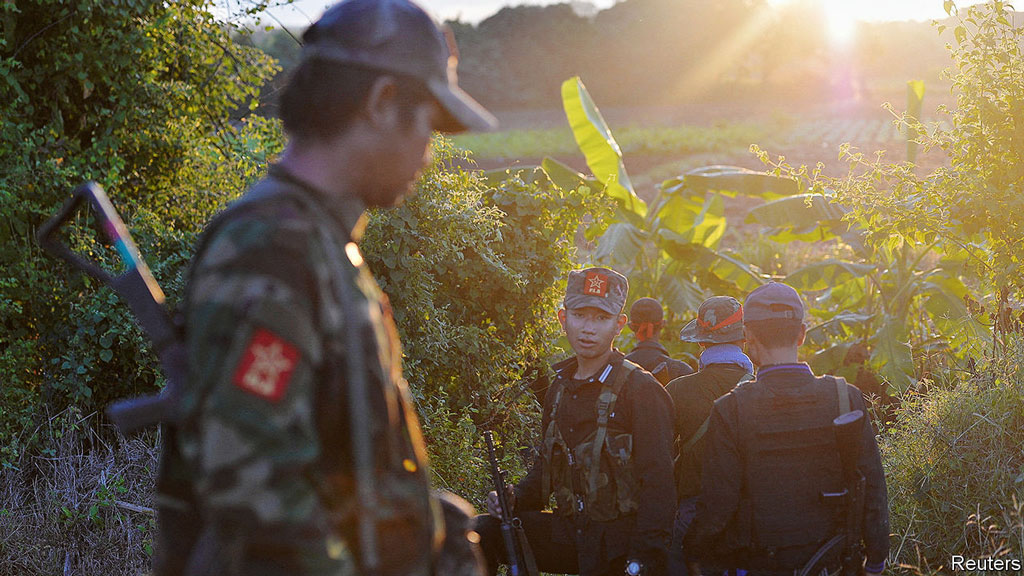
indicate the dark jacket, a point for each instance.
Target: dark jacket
{"x":653,"y":357}
{"x":693,"y":396}
{"x":643,"y":408}
{"x":722,"y":507}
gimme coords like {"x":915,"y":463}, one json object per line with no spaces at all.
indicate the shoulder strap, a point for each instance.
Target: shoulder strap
{"x":696,"y":436}
{"x":545,"y":473}
{"x":844,"y":396}
{"x":605,"y":406}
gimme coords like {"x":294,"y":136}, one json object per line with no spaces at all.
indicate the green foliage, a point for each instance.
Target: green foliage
{"x":974,"y":206}
{"x":137,"y":95}
{"x":954,"y":462}
{"x":475,"y":271}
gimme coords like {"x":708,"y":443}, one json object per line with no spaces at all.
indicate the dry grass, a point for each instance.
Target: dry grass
{"x":954,"y":458}
{"x":82,"y":507}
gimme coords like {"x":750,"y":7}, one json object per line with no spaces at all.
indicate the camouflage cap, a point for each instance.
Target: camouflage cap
{"x":598,"y":288}
{"x":774,"y":301}
{"x":398,"y":36}
{"x":719,"y":320}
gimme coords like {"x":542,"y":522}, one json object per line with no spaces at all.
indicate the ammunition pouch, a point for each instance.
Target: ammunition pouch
{"x":595,"y":478}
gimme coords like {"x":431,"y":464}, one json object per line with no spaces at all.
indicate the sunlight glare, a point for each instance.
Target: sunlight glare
{"x":840,"y":20}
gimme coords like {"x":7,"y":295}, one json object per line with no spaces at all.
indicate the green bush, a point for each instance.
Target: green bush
{"x":954,"y":459}
{"x":138,"y":96}
{"x":475,"y":273}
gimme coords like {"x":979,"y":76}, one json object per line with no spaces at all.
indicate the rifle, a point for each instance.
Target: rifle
{"x":139,"y":289}
{"x":849,"y":432}
{"x":847,"y":428}
{"x":520,"y":559}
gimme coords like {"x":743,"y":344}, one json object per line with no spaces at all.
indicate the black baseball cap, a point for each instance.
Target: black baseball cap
{"x":398,"y":36}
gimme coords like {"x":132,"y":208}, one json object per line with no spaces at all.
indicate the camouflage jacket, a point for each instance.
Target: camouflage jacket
{"x":289,"y":438}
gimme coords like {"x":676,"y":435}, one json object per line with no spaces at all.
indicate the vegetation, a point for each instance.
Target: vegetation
{"x":913,"y":274}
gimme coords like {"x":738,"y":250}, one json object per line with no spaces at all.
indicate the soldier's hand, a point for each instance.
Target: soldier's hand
{"x":494,"y":508}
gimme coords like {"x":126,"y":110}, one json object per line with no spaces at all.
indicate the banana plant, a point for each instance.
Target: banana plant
{"x":891,"y":300}
{"x":672,"y":246}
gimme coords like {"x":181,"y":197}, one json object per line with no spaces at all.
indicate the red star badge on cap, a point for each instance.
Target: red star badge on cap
{"x":595,"y":284}
{"x":266,"y":366}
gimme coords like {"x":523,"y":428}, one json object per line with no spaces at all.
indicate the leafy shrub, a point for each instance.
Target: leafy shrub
{"x":475,"y":273}
{"x":136,"y":95}
{"x":954,"y":459}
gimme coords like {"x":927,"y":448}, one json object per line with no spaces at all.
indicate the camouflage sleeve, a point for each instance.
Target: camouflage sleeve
{"x":254,"y":351}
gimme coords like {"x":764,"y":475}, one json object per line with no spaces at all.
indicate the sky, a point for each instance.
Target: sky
{"x":302,"y":12}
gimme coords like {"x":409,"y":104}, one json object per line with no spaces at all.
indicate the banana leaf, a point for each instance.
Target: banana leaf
{"x":829,"y":360}
{"x":602,"y":152}
{"x":891,"y":355}
{"x":565,"y":177}
{"x":801,"y":212}
{"x":620,"y":245}
{"x":698,"y":222}
{"x":720,"y":178}
{"x":681,"y":295}
{"x":721,"y":265}
{"x":945,"y":304}
{"x":836,"y":327}
{"x":831,"y":272}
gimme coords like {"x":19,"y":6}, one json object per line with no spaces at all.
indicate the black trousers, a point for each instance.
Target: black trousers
{"x":553,"y":539}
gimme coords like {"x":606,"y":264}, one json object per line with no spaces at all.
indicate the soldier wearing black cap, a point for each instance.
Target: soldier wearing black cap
{"x":646,"y":319}
{"x":299,"y":451}
{"x":605,"y":455}
{"x":718,"y":329}
{"x":772,"y":468}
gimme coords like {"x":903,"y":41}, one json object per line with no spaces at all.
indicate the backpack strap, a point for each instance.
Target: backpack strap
{"x":844,"y":397}
{"x":605,"y":406}
{"x":696,"y":436}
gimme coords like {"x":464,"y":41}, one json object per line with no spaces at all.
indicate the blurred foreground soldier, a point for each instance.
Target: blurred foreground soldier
{"x":606,"y":453}
{"x":300,"y":452}
{"x":646,"y":318}
{"x":773,"y":476}
{"x":718,"y":329}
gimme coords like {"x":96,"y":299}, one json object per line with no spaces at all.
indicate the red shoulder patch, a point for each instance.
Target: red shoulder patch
{"x":266,"y":366}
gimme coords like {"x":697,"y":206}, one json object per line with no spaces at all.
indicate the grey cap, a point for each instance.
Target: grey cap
{"x":773,"y":301}
{"x":719,"y":320}
{"x":398,"y":36}
{"x":597,"y":288}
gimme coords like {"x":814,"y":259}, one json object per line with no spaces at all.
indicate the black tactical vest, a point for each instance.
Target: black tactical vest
{"x":594,"y":478}
{"x":791,"y":458}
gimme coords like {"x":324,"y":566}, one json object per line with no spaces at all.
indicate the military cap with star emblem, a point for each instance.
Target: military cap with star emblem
{"x":598,"y":288}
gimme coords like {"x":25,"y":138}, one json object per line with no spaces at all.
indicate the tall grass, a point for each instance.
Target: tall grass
{"x":954,"y":459}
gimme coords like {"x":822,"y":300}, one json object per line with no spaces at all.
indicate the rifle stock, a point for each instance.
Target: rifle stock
{"x":137,"y":287}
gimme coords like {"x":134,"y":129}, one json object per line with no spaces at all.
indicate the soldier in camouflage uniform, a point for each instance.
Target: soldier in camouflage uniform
{"x":606,"y":453}
{"x":299,"y":452}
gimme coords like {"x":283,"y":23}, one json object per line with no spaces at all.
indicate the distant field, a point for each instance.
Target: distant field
{"x":653,"y":153}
